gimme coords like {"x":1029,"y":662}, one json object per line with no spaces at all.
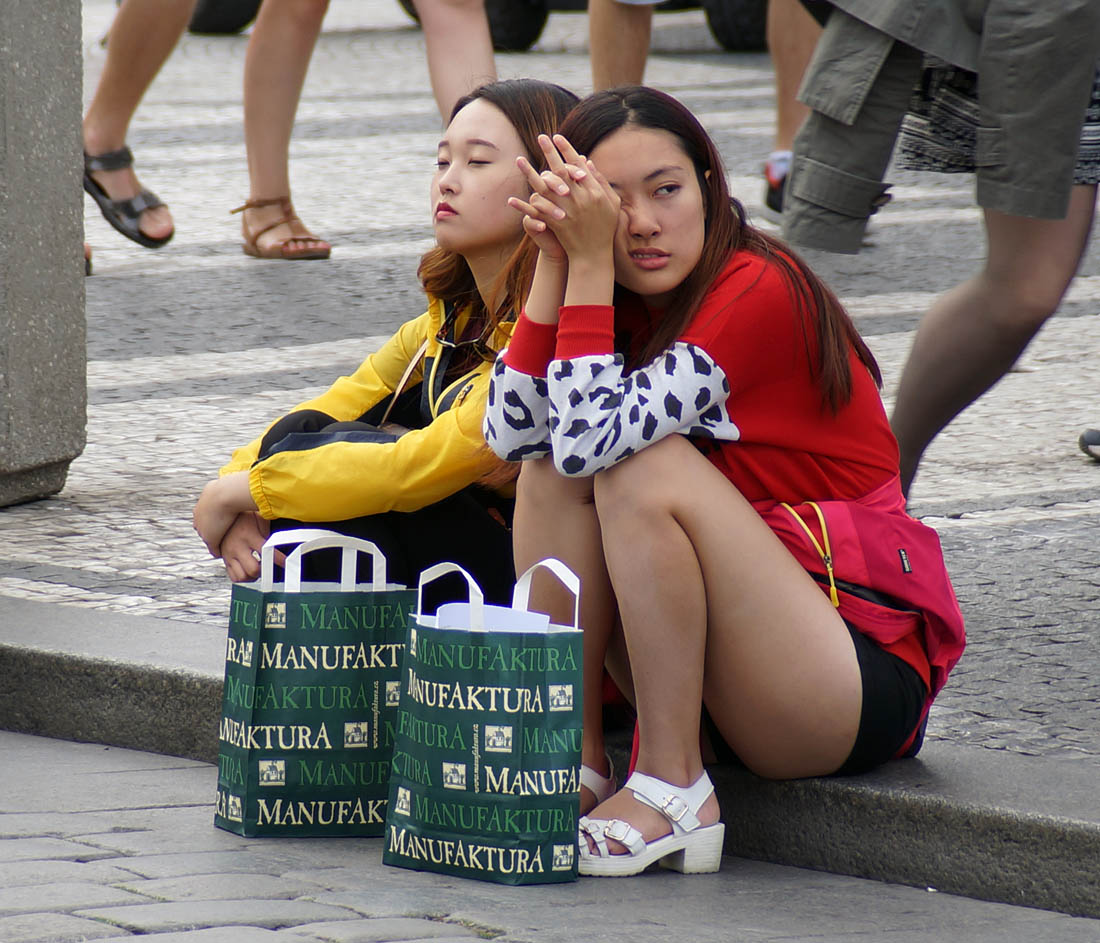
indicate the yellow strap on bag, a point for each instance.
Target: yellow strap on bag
{"x":826,"y":554}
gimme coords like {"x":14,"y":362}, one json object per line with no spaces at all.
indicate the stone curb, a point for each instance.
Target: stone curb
{"x":899,"y":825}
{"x":964,"y":820}
{"x":96,"y":700}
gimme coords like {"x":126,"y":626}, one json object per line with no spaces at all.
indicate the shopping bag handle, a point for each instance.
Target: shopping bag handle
{"x":279,"y":539}
{"x":350,"y":548}
{"x":477,"y":597}
{"x":522,"y":593}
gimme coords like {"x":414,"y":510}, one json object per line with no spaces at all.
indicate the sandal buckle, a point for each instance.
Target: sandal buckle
{"x":674,"y":808}
{"x":617,"y":830}
{"x":591,"y":827}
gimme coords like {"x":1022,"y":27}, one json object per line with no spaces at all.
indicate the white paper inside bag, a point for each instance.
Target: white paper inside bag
{"x":475,"y":616}
{"x":457,"y":615}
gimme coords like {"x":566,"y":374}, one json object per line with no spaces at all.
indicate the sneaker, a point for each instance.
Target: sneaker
{"x":1090,"y":443}
{"x":776,"y":168}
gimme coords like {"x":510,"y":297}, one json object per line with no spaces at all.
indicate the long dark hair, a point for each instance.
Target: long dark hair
{"x":533,"y":108}
{"x":726,"y":231}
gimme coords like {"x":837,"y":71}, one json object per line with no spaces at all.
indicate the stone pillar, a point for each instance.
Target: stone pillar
{"x":43,"y":391}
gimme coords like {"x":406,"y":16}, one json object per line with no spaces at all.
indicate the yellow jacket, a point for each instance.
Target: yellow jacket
{"x":342,"y":480}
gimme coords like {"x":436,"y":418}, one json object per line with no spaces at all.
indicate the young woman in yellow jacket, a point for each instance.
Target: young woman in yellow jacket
{"x":421,"y":494}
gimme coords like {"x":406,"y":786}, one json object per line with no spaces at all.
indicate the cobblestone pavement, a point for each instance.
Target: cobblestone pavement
{"x":193,"y":348}
{"x":121,"y":847}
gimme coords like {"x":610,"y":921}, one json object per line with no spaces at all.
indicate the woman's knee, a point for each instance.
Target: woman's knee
{"x":646,"y":480}
{"x":1032,"y":262}
{"x":1026,"y":304}
{"x":540,"y":483}
{"x":301,"y":420}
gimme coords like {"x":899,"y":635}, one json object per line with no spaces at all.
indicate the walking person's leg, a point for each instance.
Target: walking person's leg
{"x":974,"y":333}
{"x":459,"y":49}
{"x":276,"y":63}
{"x":792,"y":35}
{"x":142,"y":36}
{"x":618,"y":37}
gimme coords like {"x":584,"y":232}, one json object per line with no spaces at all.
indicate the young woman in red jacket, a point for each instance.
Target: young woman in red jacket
{"x":676,"y":379}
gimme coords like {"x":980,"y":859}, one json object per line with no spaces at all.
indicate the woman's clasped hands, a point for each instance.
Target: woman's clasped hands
{"x":572,"y":212}
{"x":226,"y":519}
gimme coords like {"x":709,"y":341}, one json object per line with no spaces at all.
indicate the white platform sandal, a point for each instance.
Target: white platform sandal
{"x":601,"y":787}
{"x":692,"y":848}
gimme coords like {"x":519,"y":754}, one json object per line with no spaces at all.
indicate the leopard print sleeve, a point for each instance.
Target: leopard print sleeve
{"x":598,"y":416}
{"x":516,"y":414}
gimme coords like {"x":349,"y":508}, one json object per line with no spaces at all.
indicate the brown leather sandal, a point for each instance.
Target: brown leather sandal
{"x":284,"y":249}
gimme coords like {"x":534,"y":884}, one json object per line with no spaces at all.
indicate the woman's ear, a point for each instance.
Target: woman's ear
{"x":706,"y":175}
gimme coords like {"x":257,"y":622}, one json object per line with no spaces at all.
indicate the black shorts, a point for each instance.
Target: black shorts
{"x":893,"y":708}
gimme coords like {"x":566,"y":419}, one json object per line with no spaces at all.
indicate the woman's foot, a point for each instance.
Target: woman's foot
{"x":653,"y":822}
{"x":647,"y":820}
{"x":272,"y":230}
{"x":155,"y":223}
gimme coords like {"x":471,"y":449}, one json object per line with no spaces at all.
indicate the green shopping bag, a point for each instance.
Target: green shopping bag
{"x":312,"y":681}
{"x":485,"y":781}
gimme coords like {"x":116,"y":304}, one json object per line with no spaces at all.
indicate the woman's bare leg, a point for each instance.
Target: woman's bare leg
{"x":275,"y":69}
{"x":459,"y":49}
{"x":555,"y":517}
{"x":792,"y":36}
{"x":618,"y":36}
{"x":974,"y":333}
{"x":715,"y":609}
{"x":142,"y":37}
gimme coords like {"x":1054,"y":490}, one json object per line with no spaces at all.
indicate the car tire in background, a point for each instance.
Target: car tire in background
{"x":223,"y":16}
{"x":738,"y":25}
{"x":515,"y":24}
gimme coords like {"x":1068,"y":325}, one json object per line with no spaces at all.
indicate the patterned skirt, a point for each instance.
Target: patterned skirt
{"x":940,"y":130}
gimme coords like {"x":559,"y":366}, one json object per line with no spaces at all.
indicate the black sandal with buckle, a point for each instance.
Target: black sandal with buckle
{"x":124,"y":215}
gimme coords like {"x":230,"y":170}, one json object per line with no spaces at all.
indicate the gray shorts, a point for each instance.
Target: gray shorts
{"x":859,"y":86}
